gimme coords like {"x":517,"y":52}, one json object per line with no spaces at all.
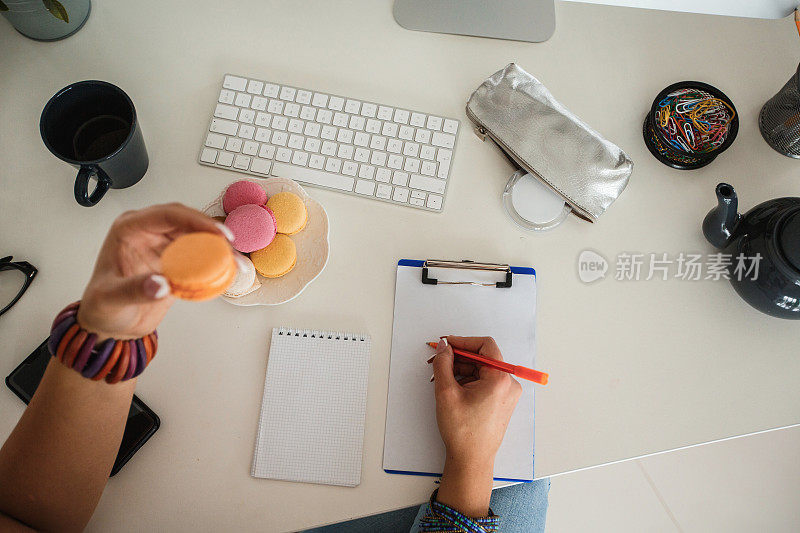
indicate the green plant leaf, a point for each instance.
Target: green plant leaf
{"x":3,"y":7}
{"x":56,"y":9}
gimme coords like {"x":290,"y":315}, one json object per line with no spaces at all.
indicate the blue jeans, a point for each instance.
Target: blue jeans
{"x":522,"y":509}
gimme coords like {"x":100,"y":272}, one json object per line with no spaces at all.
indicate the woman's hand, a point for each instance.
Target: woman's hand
{"x":126,"y":296}
{"x":474,"y":404}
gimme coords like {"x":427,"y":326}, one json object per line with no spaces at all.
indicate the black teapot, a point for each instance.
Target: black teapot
{"x":766,"y":241}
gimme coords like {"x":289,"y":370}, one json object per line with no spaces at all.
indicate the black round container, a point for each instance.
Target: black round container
{"x":680,"y":159}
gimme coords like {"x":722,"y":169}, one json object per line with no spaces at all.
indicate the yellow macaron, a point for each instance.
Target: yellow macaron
{"x":277,"y":259}
{"x":290,"y":212}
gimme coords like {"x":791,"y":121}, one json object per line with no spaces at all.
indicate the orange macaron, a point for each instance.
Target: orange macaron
{"x":199,"y":266}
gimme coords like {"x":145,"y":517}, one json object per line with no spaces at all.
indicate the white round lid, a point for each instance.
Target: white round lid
{"x":532,"y":204}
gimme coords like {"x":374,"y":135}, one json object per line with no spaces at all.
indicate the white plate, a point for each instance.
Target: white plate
{"x":312,"y":248}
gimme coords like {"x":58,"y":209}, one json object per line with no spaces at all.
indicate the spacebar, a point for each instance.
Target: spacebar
{"x":314,"y":177}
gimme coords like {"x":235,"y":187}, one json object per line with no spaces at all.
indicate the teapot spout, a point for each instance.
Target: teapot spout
{"x":720,"y":223}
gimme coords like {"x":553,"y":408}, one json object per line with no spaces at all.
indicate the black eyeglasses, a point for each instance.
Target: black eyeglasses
{"x":15,"y":278}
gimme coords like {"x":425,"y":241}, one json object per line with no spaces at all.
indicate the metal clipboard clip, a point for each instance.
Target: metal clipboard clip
{"x":465,"y":265}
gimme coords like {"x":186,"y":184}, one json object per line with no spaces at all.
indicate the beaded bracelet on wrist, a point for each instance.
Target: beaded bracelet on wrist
{"x":113,"y":360}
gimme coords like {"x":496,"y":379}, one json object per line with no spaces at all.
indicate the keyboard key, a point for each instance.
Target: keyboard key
{"x":445,"y":140}
{"x":426,"y":184}
{"x":225,"y":159}
{"x":296,"y":141}
{"x":345,"y":151}
{"x":373,"y":126}
{"x":361,"y":155}
{"x":296,"y":126}
{"x":335,"y":103}
{"x":267,"y":151}
{"x":328,"y":132}
{"x":271,"y":90}
{"x":365,"y":187}
{"x":378,"y":142}
{"x":443,"y":155}
{"x":345,"y":136}
{"x":368,"y":110}
{"x":215,"y":141}
{"x":427,"y":152}
{"x":263,"y":119}
{"x":384,"y":191}
{"x":444,"y":168}
{"x":279,"y":122}
{"x":324,"y":116}
{"x":319,"y":100}
{"x":400,"y":194}
{"x":395,"y":161}
{"x":389,"y":129}
{"x":303,"y":97}
{"x":308,"y":112}
{"x":280,"y":138}
{"x":255,"y":87}
{"x":243,"y":100}
{"x":287,"y":93}
{"x":411,"y":149}
{"x":417,"y":201}
{"x":300,"y":158}
{"x":260,"y":166}
{"x":247,"y":116}
{"x":283,"y":154}
{"x":234,"y":144}
{"x":333,"y":164}
{"x":384,"y":175}
{"x":429,"y":168}
{"x":422,"y":136}
{"x":226,"y":111}
{"x":311,"y":129}
{"x":357,"y":123}
{"x":434,"y":201}
{"x":417,"y":120}
{"x":262,"y":135}
{"x":226,"y":96}
{"x":250,"y":148}
{"x":411,"y":165}
{"x":352,"y":106}
{"x":234,"y":83}
{"x":246,"y":131}
{"x":401,"y":116}
{"x":291,"y":110}
{"x":341,"y":120}
{"x":418,"y":194}
{"x":275,"y":106}
{"x":259,"y":103}
{"x":394,"y":146}
{"x":242,"y":162}
{"x":316,"y":161}
{"x":378,"y":158}
{"x":329,"y":147}
{"x":314,"y":177}
{"x":209,"y":155}
{"x":434,"y":123}
{"x":312,"y":145}
{"x":450,"y":126}
{"x":366,"y":171}
{"x":361,"y":139}
{"x":224,"y":126}
{"x":385,"y":112}
{"x":400,"y":178}
{"x":406,"y":133}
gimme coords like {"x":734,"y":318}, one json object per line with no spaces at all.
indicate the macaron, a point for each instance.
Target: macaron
{"x":245,"y":281}
{"x":276,"y":259}
{"x":290,"y":212}
{"x":198,"y":266}
{"x":241,"y":193}
{"x":253,"y":227}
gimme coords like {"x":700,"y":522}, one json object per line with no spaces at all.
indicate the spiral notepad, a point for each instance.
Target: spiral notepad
{"x":311,"y":427}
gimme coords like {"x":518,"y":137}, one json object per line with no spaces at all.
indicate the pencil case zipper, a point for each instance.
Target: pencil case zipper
{"x":483,"y":133}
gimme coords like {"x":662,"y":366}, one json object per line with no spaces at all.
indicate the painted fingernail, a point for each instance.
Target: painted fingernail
{"x":240,"y":262}
{"x":429,"y":361}
{"x":432,"y":378}
{"x":444,"y":340}
{"x":156,"y":287}
{"x":225,"y":231}
{"x":441,"y":347}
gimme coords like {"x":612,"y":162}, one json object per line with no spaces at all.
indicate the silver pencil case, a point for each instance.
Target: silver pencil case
{"x":544,"y":138}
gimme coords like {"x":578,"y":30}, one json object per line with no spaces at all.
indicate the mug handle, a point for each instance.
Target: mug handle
{"x":82,"y":186}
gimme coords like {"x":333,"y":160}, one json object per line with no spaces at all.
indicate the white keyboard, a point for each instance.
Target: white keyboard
{"x":361,"y":148}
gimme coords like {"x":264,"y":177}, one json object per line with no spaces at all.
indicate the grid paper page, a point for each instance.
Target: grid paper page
{"x":311,"y":427}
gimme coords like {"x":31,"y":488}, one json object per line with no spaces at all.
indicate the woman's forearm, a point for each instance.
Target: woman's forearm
{"x":57,"y":459}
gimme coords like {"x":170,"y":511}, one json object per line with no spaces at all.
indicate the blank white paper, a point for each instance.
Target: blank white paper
{"x":311,"y":427}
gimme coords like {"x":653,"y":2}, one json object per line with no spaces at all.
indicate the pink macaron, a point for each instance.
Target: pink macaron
{"x":253,"y":227}
{"x":243,"y":193}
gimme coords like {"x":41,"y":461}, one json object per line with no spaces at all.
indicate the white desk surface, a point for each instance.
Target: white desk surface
{"x":636,"y":368}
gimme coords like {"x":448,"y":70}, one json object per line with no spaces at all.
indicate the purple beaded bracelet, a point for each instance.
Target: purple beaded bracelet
{"x":93,"y":360}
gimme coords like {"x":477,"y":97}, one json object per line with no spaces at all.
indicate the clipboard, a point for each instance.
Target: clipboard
{"x":439,"y":297}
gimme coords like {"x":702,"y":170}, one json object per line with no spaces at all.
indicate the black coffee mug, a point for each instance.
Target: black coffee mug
{"x":92,"y":126}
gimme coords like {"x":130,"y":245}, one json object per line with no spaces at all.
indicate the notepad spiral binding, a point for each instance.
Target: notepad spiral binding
{"x":318,"y":334}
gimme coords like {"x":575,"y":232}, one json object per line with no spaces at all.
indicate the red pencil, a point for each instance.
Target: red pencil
{"x":517,"y":370}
